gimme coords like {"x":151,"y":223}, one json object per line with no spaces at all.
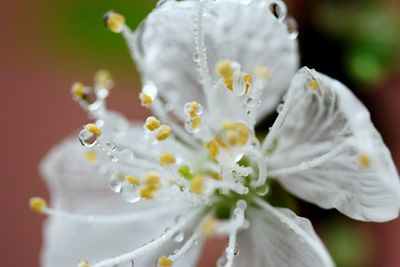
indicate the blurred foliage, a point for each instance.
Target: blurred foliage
{"x":368,"y":32}
{"x":81,"y":32}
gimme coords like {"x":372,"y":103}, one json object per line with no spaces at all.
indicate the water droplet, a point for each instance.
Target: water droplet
{"x":270,"y":129}
{"x":126,"y":155}
{"x":178,"y":219}
{"x":241,"y":204}
{"x":87,"y":138}
{"x":129,"y":192}
{"x":178,"y":237}
{"x":115,"y":182}
{"x":262,"y":190}
{"x":292,"y":28}
{"x":279,"y":108}
{"x":250,"y":101}
{"x":189,"y":127}
{"x":111,"y":145}
{"x":222,"y":261}
{"x":236,"y":251}
{"x":278,"y":9}
{"x":150,"y":89}
{"x":196,"y":57}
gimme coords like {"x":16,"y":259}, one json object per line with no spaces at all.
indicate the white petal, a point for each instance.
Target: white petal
{"x":163,"y":47}
{"x":277,"y":237}
{"x":76,"y":186}
{"x":321,"y":136}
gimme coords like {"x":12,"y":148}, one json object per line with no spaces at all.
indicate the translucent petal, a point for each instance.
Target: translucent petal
{"x":76,"y":186}
{"x":277,"y":237}
{"x":250,"y":34}
{"x":324,"y":149}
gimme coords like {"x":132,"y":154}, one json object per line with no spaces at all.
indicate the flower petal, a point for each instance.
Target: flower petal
{"x":277,"y":237}
{"x":77,"y":187}
{"x":324,"y":149}
{"x":250,"y":34}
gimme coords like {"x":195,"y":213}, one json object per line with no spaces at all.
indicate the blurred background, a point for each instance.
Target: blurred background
{"x":46,"y":45}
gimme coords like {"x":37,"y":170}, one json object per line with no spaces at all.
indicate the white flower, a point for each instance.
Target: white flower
{"x":199,"y":169}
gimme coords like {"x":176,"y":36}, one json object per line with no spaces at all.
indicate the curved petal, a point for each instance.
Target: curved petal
{"x":277,"y":237}
{"x":325,"y":149}
{"x":77,"y":187}
{"x":250,"y":34}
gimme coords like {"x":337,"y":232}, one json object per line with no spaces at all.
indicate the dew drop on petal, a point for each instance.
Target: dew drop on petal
{"x":236,"y":251}
{"x":279,"y":108}
{"x":129,"y":192}
{"x":178,"y":237}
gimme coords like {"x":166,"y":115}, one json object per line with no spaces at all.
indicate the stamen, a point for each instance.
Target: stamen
{"x":166,"y":159}
{"x":313,"y":85}
{"x":164,"y":132}
{"x":37,"y":204}
{"x":185,"y":248}
{"x":78,"y":91}
{"x":103,"y":79}
{"x":84,"y":264}
{"x":91,"y":156}
{"x":152,"y":123}
{"x":94,"y":129}
{"x":164,"y":261}
{"x":145,"y":99}
{"x":208,"y":226}
{"x":197,"y":185}
{"x":247,"y":79}
{"x":132,"y":180}
{"x":114,"y":21}
{"x":213,"y":148}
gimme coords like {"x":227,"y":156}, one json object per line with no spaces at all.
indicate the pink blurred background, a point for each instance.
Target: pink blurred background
{"x":36,"y":111}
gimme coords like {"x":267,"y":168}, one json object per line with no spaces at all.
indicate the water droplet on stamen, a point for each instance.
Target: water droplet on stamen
{"x":196,"y":57}
{"x":262,"y":190}
{"x":87,"y":138}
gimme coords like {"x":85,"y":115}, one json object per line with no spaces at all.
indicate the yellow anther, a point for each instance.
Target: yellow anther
{"x":132,"y":180}
{"x":146,"y":192}
{"x":196,"y":122}
{"x":84,"y":264}
{"x":216,"y":175}
{"x":197,"y":185}
{"x":91,"y":156}
{"x":145,"y":99}
{"x":152,"y":123}
{"x":313,"y":85}
{"x":224,"y":68}
{"x":193,"y":109}
{"x":114,"y":21}
{"x":78,"y":90}
{"x":166,"y":159}
{"x":103,"y":78}
{"x":261,"y":72}
{"x":243,"y":133}
{"x":247,"y":79}
{"x":233,"y":137}
{"x":152,"y":179}
{"x":208,"y":227}
{"x":94,"y":129}
{"x":37,"y":204}
{"x":228,"y":125}
{"x":164,"y":132}
{"x":228,"y":81}
{"x":220,"y":141}
{"x":364,"y":160}
{"x":164,"y":261}
{"x":213,"y":148}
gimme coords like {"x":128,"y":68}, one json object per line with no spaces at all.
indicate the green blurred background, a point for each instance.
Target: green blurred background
{"x":46,"y":45}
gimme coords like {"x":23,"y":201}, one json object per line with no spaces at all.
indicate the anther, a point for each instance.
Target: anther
{"x":364,"y":160}
{"x":313,"y":85}
{"x":37,"y":204}
{"x":103,"y":78}
{"x":94,"y":129}
{"x":213,"y":148}
{"x":145,"y":100}
{"x":164,"y":261}
{"x":78,"y":90}
{"x":166,"y":159}
{"x":197,"y":185}
{"x":224,"y":68}
{"x":83,"y":264}
{"x":164,"y":131}
{"x":208,"y":227}
{"x":91,"y":156}
{"x":152,"y":123}
{"x":114,"y":21}
{"x":132,"y":180}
